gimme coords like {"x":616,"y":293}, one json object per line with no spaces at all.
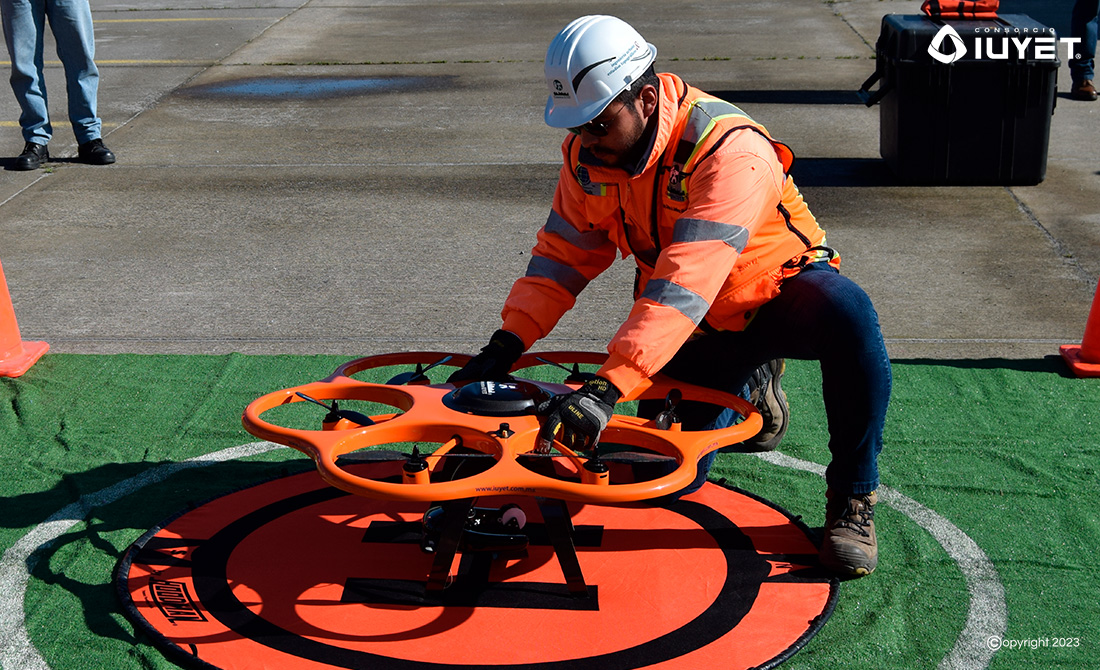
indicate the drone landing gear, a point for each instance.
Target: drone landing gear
{"x":559,"y":528}
{"x":485,"y":534}
{"x":485,"y":529}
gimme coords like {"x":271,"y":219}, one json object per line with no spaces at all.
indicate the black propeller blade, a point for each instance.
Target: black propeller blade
{"x":335,"y":413}
{"x":416,"y":376}
{"x":575,"y":374}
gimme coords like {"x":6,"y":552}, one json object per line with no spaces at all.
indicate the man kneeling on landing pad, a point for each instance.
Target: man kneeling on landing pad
{"x":733,"y":274}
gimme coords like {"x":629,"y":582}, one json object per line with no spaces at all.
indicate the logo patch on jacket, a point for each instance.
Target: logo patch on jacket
{"x":585,"y":180}
{"x":676,"y":184}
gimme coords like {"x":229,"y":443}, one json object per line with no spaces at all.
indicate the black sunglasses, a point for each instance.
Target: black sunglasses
{"x":597,"y":128}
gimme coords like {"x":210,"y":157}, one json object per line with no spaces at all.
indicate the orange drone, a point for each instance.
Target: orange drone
{"x":497,"y":424}
{"x":486,"y":435}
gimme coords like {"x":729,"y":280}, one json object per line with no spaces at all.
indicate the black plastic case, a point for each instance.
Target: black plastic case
{"x":977,"y":120}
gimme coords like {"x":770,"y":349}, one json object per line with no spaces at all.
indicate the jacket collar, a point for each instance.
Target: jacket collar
{"x":657,"y":135}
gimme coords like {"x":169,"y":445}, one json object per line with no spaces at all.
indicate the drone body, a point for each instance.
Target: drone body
{"x":494,"y":422}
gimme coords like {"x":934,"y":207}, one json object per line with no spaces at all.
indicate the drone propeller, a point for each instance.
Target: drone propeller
{"x":575,"y":374}
{"x":335,"y":413}
{"x":415,"y":470}
{"x":416,"y":376}
{"x":666,"y":419}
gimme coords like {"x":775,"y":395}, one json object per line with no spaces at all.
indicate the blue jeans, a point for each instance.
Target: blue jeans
{"x":818,"y":315}
{"x":1083,"y":25}
{"x":71,"y":23}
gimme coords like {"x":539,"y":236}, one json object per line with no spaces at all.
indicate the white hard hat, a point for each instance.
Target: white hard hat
{"x":589,"y":62}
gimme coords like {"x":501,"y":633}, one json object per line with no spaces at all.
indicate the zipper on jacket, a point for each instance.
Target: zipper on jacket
{"x":790,"y":226}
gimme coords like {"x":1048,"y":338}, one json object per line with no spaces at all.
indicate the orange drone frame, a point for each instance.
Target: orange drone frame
{"x":491,"y":419}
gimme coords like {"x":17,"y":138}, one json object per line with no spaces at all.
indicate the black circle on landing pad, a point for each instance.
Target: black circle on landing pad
{"x":182,"y":583}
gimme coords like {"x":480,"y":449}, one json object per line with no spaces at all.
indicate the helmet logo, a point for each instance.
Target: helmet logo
{"x":583,"y":73}
{"x":630,"y":55}
{"x":559,"y":89}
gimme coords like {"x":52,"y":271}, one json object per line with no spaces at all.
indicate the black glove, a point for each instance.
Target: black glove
{"x":581,"y":415}
{"x":494,"y":361}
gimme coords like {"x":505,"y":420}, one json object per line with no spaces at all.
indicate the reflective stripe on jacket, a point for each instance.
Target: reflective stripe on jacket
{"x":709,"y":215}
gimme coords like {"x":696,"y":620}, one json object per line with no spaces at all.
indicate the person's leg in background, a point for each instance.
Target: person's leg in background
{"x":24,"y":24}
{"x":1083,"y":25}
{"x":71,"y":22}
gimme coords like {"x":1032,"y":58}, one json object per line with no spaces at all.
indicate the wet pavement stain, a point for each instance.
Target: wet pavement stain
{"x":314,"y":87}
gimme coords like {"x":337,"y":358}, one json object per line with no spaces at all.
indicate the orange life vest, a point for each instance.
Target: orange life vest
{"x":961,"y":9}
{"x":710,"y":216}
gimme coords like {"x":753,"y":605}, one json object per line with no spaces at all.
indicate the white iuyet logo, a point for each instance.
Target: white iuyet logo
{"x":934,"y":49}
{"x":1001,"y":43}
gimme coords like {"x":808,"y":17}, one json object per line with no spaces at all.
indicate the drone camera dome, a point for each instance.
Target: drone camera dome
{"x":491,"y":398}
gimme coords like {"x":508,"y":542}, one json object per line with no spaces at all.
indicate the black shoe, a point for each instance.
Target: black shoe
{"x":32,"y":157}
{"x":95,"y":153}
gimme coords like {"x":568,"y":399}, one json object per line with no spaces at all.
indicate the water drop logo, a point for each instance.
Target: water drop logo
{"x":947,"y":32}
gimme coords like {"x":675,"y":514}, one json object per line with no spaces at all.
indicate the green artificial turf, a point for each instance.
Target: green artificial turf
{"x":1006,"y":451}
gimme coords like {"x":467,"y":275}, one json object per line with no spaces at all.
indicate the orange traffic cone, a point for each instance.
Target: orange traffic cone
{"x":16,"y":356}
{"x":1084,"y":360}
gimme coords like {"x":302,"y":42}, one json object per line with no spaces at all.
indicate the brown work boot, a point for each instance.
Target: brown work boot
{"x":850,"y":546}
{"x":768,"y":397}
{"x":1083,"y":91}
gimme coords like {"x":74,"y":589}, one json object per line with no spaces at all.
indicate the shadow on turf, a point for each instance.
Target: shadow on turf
{"x":83,"y":560}
{"x":1050,"y":364}
{"x":59,"y":563}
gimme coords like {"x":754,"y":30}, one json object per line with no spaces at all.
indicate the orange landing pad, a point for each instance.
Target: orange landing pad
{"x":295,"y":574}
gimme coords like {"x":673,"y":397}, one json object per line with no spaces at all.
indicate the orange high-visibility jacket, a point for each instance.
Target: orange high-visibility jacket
{"x":711,"y":218}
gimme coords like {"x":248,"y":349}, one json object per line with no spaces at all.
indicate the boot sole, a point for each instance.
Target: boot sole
{"x":849,"y":561}
{"x":774,"y":398}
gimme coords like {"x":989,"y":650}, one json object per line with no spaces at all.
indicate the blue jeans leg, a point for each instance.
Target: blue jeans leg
{"x":70,"y":21}
{"x":1083,"y":22}
{"x":818,"y":315}
{"x":24,"y":27}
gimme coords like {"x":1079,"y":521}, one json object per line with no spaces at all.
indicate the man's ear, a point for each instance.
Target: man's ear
{"x":648,"y":96}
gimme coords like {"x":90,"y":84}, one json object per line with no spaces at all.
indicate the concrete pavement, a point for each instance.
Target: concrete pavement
{"x":362,"y":176}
